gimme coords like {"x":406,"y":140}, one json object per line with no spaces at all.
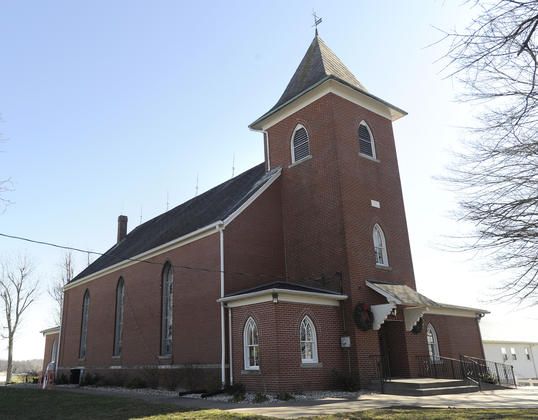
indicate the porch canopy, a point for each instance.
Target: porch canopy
{"x":414,"y":304}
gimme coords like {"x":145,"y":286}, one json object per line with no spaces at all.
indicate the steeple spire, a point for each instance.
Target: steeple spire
{"x":319,"y":63}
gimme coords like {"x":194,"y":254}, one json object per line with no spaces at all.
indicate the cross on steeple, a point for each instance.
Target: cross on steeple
{"x":317,"y":21}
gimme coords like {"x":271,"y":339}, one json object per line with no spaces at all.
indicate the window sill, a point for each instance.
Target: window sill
{"x":373,"y":159}
{"x":300,"y":161}
{"x":250,"y":372}
{"x":116,"y":357}
{"x":383,"y":267}
{"x":311,"y":365}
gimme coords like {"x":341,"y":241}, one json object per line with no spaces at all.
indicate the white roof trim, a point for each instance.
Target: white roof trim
{"x":329,"y":85}
{"x":176,"y":243}
{"x":50,"y":331}
{"x":284,"y":295}
{"x":254,"y":196}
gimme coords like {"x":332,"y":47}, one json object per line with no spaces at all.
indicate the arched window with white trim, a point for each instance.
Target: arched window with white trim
{"x":309,"y":342}
{"x":300,"y":144}
{"x":251,"y":347}
{"x":54,"y":351}
{"x":118,"y":325}
{"x":380,"y":247}
{"x":84,"y":325}
{"x":167,"y":310}
{"x":366,"y":140}
{"x":433,"y":343}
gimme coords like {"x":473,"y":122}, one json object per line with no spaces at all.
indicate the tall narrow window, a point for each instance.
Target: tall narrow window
{"x":167,"y":308}
{"x":300,"y":144}
{"x":433,"y":344}
{"x":504,"y":355}
{"x":513,"y":353}
{"x":366,"y":140}
{"x":84,"y":324}
{"x":250,"y":346}
{"x":380,"y":247}
{"x":309,"y":344}
{"x":118,"y":328}
{"x":54,"y":352}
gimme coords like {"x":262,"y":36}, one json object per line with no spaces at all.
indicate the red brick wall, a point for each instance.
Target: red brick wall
{"x":280,"y":356}
{"x":196,"y":335}
{"x":327,"y":213}
{"x":253,"y":243}
{"x":47,"y":355}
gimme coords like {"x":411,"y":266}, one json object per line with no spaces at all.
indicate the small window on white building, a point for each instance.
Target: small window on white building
{"x":251,"y":349}
{"x":300,"y":144}
{"x":504,"y":355}
{"x":380,"y":247}
{"x":366,"y":141}
{"x":513,"y":353}
{"x":433,"y":344}
{"x":527,"y":354}
{"x":309,"y":342}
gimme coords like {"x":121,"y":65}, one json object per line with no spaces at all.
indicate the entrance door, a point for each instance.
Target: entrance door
{"x":394,"y":349}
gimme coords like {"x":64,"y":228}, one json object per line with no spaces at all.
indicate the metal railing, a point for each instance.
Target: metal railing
{"x":495,"y":373}
{"x":468,"y":368}
{"x":382,"y":369}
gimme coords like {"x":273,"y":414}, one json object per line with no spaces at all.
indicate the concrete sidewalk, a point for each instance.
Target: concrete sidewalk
{"x":526,"y":397}
{"x":514,"y":398}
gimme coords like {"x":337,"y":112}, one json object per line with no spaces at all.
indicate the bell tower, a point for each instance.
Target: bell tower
{"x":343,"y":209}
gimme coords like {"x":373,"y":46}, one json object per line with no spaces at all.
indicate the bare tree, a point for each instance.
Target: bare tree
{"x":56,"y":290}
{"x":17,"y":293}
{"x":497,"y":174}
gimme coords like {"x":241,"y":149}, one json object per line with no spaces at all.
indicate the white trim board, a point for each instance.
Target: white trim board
{"x":323,"y":88}
{"x":283,"y":295}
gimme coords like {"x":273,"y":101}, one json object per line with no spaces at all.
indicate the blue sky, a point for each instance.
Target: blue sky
{"x":109,"y":108}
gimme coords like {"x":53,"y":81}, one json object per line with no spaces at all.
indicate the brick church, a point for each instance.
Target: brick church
{"x":291,"y":273}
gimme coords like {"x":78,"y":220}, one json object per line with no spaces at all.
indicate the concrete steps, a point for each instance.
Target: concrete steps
{"x":426,"y":386}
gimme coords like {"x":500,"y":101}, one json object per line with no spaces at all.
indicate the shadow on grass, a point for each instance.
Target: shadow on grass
{"x":21,"y":403}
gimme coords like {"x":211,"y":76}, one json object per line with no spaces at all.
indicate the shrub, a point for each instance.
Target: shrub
{"x":136,"y":383}
{"x":345,"y":381}
{"x":237,"y":398}
{"x":61,"y":379}
{"x":285,"y":396}
{"x":260,"y":397}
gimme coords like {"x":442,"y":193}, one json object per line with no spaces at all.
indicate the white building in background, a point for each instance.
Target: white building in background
{"x":522,"y":355}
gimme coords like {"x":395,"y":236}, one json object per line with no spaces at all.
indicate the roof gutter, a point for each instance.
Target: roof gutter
{"x":279,"y":290}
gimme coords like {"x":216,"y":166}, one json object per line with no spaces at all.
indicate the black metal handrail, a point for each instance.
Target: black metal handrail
{"x":494,"y":373}
{"x":382,"y":369}
{"x":478,"y":371}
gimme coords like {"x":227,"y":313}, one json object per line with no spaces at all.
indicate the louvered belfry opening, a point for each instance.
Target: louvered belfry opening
{"x":301,"y":145}
{"x":365,"y":141}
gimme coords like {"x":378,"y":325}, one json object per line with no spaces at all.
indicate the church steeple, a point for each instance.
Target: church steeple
{"x":319,"y":63}
{"x":321,"y":67}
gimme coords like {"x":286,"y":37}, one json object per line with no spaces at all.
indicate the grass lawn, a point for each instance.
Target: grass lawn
{"x":24,"y":403}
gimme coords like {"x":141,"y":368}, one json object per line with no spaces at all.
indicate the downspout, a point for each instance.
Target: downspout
{"x":222,"y":322}
{"x":266,"y":145}
{"x":230,"y":346}
{"x":57,"y":364}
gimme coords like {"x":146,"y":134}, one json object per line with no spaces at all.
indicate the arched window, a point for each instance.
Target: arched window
{"x":309,"y":344}
{"x":433,"y":344}
{"x":120,"y":293}
{"x":366,"y":140}
{"x":380,"y":247}
{"x":300,"y":144}
{"x":167,"y":308}
{"x":84,"y":324}
{"x":54,"y":351}
{"x":251,"y":350}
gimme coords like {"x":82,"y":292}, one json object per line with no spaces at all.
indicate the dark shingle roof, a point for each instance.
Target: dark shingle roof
{"x":210,"y":207}
{"x":318,"y":63}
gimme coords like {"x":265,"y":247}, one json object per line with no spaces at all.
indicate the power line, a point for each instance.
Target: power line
{"x":111,"y":254}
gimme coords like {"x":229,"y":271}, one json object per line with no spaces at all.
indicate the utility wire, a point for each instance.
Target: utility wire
{"x":111,"y":254}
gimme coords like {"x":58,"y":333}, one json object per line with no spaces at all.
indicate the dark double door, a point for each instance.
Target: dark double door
{"x":393,"y":349}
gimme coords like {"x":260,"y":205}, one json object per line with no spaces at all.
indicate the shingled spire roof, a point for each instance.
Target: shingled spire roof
{"x":319,"y":63}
